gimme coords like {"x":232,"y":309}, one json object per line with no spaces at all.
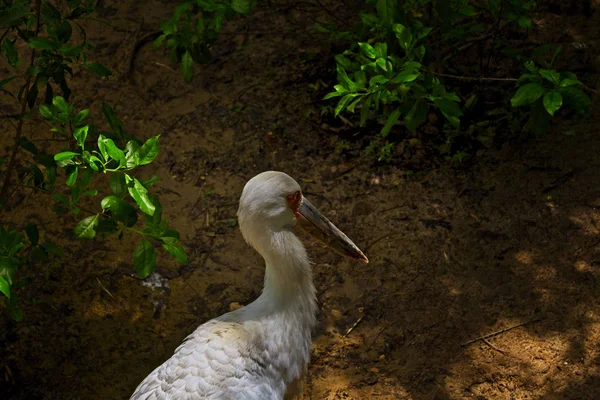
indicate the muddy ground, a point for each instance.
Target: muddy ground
{"x":508,"y":245}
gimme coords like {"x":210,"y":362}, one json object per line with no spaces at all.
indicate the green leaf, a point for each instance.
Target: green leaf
{"x":144,"y":258}
{"x":5,"y":81}
{"x":552,"y":102}
{"x":49,"y":14}
{"x":14,"y":17}
{"x":385,"y":10}
{"x":575,"y":98}
{"x":80,"y":134}
{"x":416,"y":116}
{"x":550,"y":75}
{"x":170,"y":236}
{"x":332,"y":94}
{"x":344,"y":101}
{"x":42,"y":44}
{"x":187,"y":67}
{"x":450,"y":110}
{"x":369,"y":19}
{"x":65,"y":155}
{"x":527,"y":94}
{"x":4,"y":286}
{"x":159,"y":41}
{"x":467,"y":11}
{"x":61,"y":104}
{"x":117,"y":184}
{"x":131,"y":157}
{"x":139,"y":193}
{"x":10,"y":52}
{"x":525,"y":22}
{"x":46,"y":112}
{"x":27,"y":145}
{"x":354,"y":103}
{"x":570,"y":82}
{"x":378,"y":80}
{"x":52,"y":248}
{"x":107,"y":146}
{"x":381,"y":50}
{"x":85,"y":227}
{"x":242,"y":6}
{"x":423,"y":33}
{"x":177,"y":252}
{"x":80,"y":117}
{"x":32,"y":234}
{"x":61,"y":198}
{"x":530,"y":66}
{"x":392,"y":118}
{"x":382,"y":63}
{"x":344,"y":79}
{"x":406,"y":75}
{"x":72,"y":177}
{"x":114,"y":123}
{"x":404,"y":35}
{"x":366,"y":110}
{"x":86,"y":177}
{"x":120,"y":210}
{"x":154,"y":221}
{"x":148,"y":151}
{"x":150,"y":181}
{"x":61,"y":32}
{"x":367,"y":49}
{"x":99,"y":69}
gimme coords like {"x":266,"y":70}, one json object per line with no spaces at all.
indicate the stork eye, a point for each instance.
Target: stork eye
{"x":294,"y":200}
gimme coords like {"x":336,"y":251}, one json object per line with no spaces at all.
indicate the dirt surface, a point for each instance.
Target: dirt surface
{"x":508,"y":245}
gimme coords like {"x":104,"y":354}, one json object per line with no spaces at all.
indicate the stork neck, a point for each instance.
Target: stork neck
{"x":288,"y":274}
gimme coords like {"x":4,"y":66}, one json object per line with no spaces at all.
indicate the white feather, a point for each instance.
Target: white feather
{"x":255,"y":352}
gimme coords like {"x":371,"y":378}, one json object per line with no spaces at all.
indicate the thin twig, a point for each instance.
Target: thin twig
{"x":4,"y":35}
{"x":105,"y":289}
{"x":150,"y":37}
{"x":470,"y":42}
{"x":492,"y":346}
{"x":15,"y":149}
{"x":368,"y":246}
{"x":489,"y":335}
{"x":331,"y":13}
{"x":475,"y":78}
{"x":353,"y":326}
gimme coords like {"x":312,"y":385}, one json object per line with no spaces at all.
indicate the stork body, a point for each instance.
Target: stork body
{"x":255,"y":352}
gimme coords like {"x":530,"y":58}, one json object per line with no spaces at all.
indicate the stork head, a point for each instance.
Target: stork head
{"x":273,"y":202}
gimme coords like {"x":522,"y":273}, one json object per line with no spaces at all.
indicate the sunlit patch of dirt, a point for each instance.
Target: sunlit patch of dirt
{"x":482,"y":281}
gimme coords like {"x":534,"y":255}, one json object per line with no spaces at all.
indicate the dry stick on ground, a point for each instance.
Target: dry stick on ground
{"x":476,"y":78}
{"x":349,"y":331}
{"x":150,"y":37}
{"x":471,"y":42}
{"x":15,"y":149}
{"x":489,"y":335}
{"x":492,"y":346}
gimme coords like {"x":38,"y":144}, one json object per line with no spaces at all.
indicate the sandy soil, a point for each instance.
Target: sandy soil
{"x":508,"y":245}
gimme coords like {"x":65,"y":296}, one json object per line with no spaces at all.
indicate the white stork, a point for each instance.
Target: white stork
{"x":258,"y":352}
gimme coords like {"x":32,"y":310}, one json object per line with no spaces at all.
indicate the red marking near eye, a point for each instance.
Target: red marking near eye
{"x":294,"y":200}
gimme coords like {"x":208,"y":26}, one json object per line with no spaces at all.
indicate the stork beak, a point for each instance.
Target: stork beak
{"x":311,"y":221}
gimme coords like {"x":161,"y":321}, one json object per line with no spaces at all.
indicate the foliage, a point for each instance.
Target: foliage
{"x":398,"y":84}
{"x":194,"y":27}
{"x":545,"y":91}
{"x":87,"y":153}
{"x":391,"y":70}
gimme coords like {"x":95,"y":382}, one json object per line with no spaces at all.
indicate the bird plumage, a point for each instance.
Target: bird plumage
{"x":257,"y":351}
